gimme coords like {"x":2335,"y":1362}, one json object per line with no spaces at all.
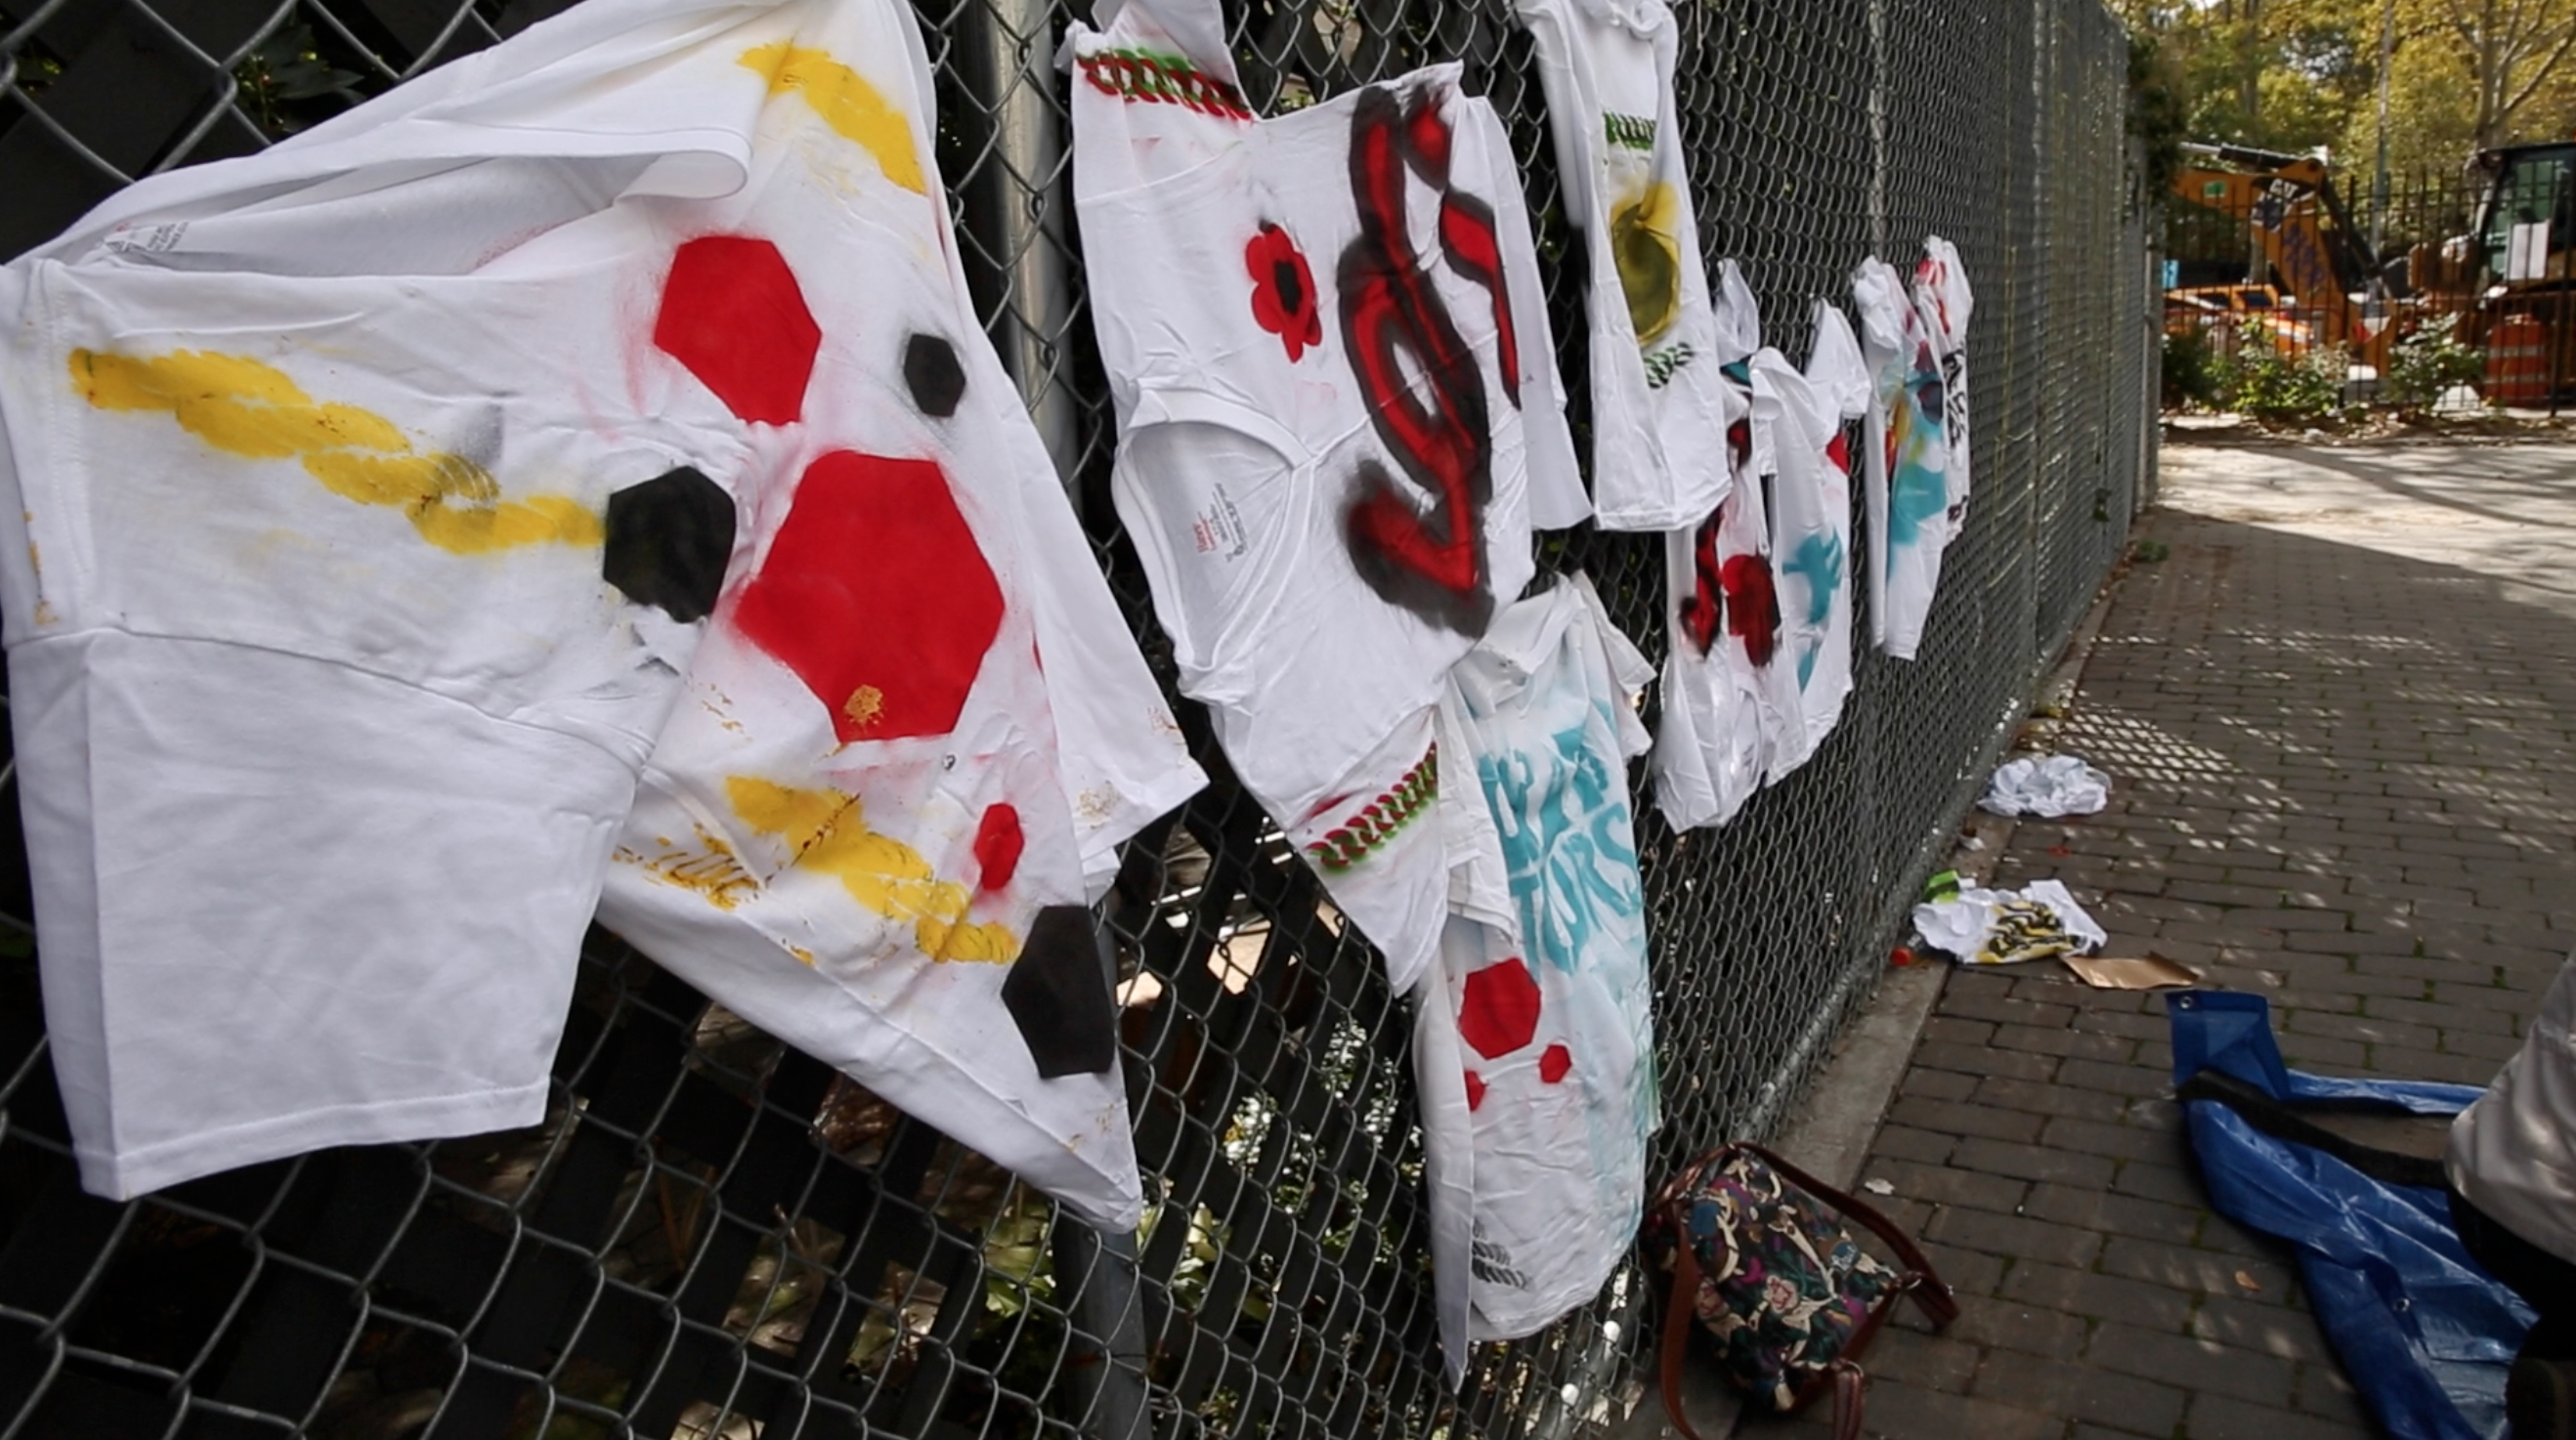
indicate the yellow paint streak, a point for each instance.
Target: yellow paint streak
{"x":714,"y":872}
{"x":864,"y":705}
{"x":828,"y":832}
{"x":243,"y":407}
{"x":803,"y":955}
{"x":847,"y":103}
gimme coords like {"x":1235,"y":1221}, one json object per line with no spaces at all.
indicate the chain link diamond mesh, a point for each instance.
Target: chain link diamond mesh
{"x":714,"y":1235}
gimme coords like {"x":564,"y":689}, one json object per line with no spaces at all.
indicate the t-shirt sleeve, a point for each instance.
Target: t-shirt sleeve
{"x":1556,"y":497}
{"x":1835,"y":368}
{"x":1124,"y":761}
{"x":1628,"y":671}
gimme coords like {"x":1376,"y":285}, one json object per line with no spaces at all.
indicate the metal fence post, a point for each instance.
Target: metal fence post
{"x":1016,"y":204}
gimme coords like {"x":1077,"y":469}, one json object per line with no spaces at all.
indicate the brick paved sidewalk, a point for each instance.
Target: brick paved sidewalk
{"x":2341,"y":719}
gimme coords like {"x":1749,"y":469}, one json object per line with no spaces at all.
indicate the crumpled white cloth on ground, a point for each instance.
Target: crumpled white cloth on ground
{"x":2003,"y":927}
{"x":2048,"y":785}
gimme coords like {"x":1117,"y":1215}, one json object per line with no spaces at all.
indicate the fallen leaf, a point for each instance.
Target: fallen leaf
{"x":2249,"y":1282}
{"x":1879,"y":1187}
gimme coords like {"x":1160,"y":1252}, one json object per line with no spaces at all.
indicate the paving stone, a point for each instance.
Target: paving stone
{"x":2324,"y":1391}
{"x":1967,"y":1272}
{"x":1904,"y":1142}
{"x":1934,"y":1362}
{"x":2248,"y":1325}
{"x":1953,"y":1117}
{"x":2039,"y":1098}
{"x":1936,"y":1084}
{"x":2013,"y":1325}
{"x":2101,"y":1396}
{"x":2173,"y":1184}
{"x":2015,"y":1236}
{"x":1941,"y":1185}
{"x":2097,"y":1296}
{"x":2033,"y":1162}
{"x":2003,"y":1010}
{"x":2219,"y":1417}
{"x":2118,"y":1079}
{"x":2209,"y":1272}
{"x":1956,"y":1031}
{"x":1983,"y":1060}
{"x":2111,"y":1214}
{"x":2200,"y":1365}
{"x":1898,"y":1411}
{"x":2123,"y":1141}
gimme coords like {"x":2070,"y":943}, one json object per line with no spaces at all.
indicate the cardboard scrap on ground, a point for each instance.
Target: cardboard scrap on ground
{"x":2123,"y":972}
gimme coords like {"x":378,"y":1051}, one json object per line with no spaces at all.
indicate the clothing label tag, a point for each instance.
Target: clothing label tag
{"x":1218,"y":529}
{"x":152,"y":239}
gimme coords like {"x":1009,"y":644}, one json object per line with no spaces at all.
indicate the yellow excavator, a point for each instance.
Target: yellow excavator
{"x":2258,"y":230}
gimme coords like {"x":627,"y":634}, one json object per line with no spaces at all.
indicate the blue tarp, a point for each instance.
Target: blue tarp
{"x":2424,"y":1333}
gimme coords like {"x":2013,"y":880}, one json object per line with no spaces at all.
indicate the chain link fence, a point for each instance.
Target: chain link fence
{"x":714,"y":1235}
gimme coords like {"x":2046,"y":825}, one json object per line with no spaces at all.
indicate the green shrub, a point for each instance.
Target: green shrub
{"x":2194,"y":373}
{"x":2270,"y":385}
{"x":2427,"y":362}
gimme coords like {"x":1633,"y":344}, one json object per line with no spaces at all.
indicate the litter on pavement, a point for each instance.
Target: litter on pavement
{"x":2005,"y":927}
{"x":2126,"y":972}
{"x":2051,"y":786}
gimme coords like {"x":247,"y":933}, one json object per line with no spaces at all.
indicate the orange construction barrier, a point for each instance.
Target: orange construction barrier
{"x":2517,"y":361}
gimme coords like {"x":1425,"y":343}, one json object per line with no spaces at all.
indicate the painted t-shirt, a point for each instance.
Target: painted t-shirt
{"x":918,"y":727}
{"x":1942,"y":296}
{"x":1905,"y":460}
{"x":1811,"y":521}
{"x":377,"y":492}
{"x":1730,"y":694}
{"x":1337,"y":412}
{"x":1658,"y":412}
{"x":1534,"y":1047}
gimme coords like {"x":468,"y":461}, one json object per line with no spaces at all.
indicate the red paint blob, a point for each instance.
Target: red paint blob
{"x":875,"y":593}
{"x":997,"y":847}
{"x":733,"y":314}
{"x":1839,"y":452}
{"x":1553,"y":1065}
{"x":1752,"y":605}
{"x":1475,"y":1089}
{"x":1499,"y":1012}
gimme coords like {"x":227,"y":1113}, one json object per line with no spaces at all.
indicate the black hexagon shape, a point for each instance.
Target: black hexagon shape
{"x":1058,"y":996}
{"x":932,"y":374}
{"x":669,"y":541}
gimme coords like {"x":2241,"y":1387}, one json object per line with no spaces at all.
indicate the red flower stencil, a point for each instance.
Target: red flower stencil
{"x":1283,"y":290}
{"x":1752,"y":605}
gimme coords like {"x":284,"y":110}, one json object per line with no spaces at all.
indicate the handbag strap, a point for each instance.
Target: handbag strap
{"x":1847,"y":1398}
{"x":1919,"y":1280}
{"x":1679,"y":1312}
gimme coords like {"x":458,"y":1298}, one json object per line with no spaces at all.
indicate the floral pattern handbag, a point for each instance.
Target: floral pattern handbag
{"x":1761,"y":1262}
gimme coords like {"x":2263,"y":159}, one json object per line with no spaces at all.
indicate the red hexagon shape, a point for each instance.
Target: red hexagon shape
{"x":1553,"y":1065}
{"x":875,"y":593}
{"x":733,"y":314}
{"x":1499,"y":1012}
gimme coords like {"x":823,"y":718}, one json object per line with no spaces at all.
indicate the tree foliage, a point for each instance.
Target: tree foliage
{"x":2302,"y":75}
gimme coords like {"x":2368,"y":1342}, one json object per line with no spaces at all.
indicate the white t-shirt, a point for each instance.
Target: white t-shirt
{"x":1905,"y":483}
{"x":918,"y":725}
{"x":1811,"y":517}
{"x":1729,"y":694}
{"x":1337,"y":412}
{"x":1659,"y":414}
{"x":376,"y":492}
{"x":1941,"y":293}
{"x":1534,"y":1050}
